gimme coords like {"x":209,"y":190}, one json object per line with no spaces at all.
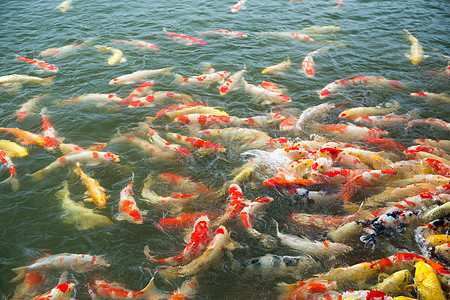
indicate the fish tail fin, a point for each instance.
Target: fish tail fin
{"x":38,"y":176}
{"x":178,"y":78}
{"x":167,"y":71}
{"x":21,"y":272}
{"x":169,"y":273}
{"x":87,"y":41}
{"x":78,"y":169}
{"x":48,"y":80}
{"x":13,"y":181}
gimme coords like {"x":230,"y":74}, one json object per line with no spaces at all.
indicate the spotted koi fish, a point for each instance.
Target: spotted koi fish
{"x":39,"y":63}
{"x":192,"y":143}
{"x":308,"y":65}
{"x":12,"y":179}
{"x":204,"y":79}
{"x":187,"y":40}
{"x":62,"y":291}
{"x":142,"y":90}
{"x":128,"y":209}
{"x":49,"y":133}
{"x":232,"y":83}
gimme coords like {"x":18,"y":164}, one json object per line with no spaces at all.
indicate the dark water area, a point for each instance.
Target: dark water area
{"x":370,"y":41}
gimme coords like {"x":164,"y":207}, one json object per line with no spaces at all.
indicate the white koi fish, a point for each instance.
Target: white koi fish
{"x":204,"y":79}
{"x":140,"y":75}
{"x":64,"y":6}
{"x":94,"y":98}
{"x":290,"y":35}
{"x":278,"y":68}
{"x":267,"y":96}
{"x":76,"y":213}
{"x":117,"y":56}
{"x":308,"y":65}
{"x":28,"y":108}
{"x":88,"y":157}
{"x":225,"y":33}
{"x":239,"y":5}
{"x":14,"y":78}
{"x":64,"y":261}
{"x":312,"y":113}
{"x":232,"y":83}
{"x":321,"y":29}
{"x":416,"y":49}
{"x":64,"y":50}
{"x":141,"y":44}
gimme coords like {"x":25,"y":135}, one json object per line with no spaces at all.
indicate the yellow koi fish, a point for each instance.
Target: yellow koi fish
{"x":13,"y":149}
{"x":279,"y":68}
{"x":117,"y":56}
{"x":427,"y":282}
{"x":416,"y":49}
{"x":94,"y":190}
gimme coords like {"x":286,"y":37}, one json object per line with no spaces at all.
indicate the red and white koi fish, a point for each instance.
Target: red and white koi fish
{"x":350,"y":132}
{"x":239,"y":5}
{"x":142,"y":90}
{"x":94,"y":98}
{"x":128,"y":209}
{"x":251,"y":211}
{"x":212,"y":254}
{"x":291,"y":35}
{"x":267,"y":96}
{"x":65,"y":5}
{"x":310,"y":289}
{"x":71,"y":148}
{"x":183,"y":183}
{"x":308,"y":65}
{"x":411,"y":151}
{"x":342,"y":176}
{"x":39,"y":63}
{"x":203,"y":119}
{"x":187,"y":291}
{"x":201,"y":146}
{"x":28,"y":108}
{"x":64,"y":50}
{"x":6,"y":160}
{"x":156,"y":139}
{"x":199,"y":239}
{"x":259,"y":121}
{"x":24,"y":137}
{"x":157,"y":97}
{"x":386,"y":144}
{"x":386,"y":121}
{"x":14,"y":79}
{"x":326,"y":222}
{"x":61,"y":292}
{"x":88,"y":157}
{"x":358,"y":112}
{"x":114,"y":291}
{"x":377,"y":81}
{"x":416,"y":49}
{"x":203,"y":80}
{"x":64,"y":261}
{"x":225,"y":33}
{"x":174,"y":202}
{"x":235,"y":205}
{"x":183,"y":220}
{"x":442,"y":144}
{"x":232,"y":83}
{"x":95,"y":192}
{"x":314,"y":248}
{"x":363,"y":295}
{"x":312,"y":113}
{"x":437,"y":123}
{"x":117,"y":56}
{"x":343,"y":158}
{"x":278,"y":68}
{"x":437,"y":167}
{"x":187,"y":40}
{"x":49,"y":133}
{"x":141,"y":44}
{"x":432,"y":97}
{"x":366,"y":179}
{"x":268,"y":85}
{"x":140,"y":75}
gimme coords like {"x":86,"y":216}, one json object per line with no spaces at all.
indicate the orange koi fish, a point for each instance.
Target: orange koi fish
{"x":39,"y":63}
{"x":24,"y":137}
{"x":310,"y":289}
{"x":202,"y":146}
{"x":183,"y":183}
{"x":187,"y":40}
{"x":183,"y":220}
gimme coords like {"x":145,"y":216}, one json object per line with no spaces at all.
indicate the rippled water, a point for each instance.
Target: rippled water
{"x":371,"y":42}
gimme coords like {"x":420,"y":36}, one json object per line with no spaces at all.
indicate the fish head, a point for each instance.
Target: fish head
{"x":112,"y":157}
{"x":66,"y":289}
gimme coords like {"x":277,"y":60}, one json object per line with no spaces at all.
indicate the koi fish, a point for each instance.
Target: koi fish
{"x":71,"y":148}
{"x":427,"y":283}
{"x":141,"y":44}
{"x":142,"y":90}
{"x":432,"y":97}
{"x":235,"y":205}
{"x":443,"y":251}
{"x":64,"y":261}
{"x":38,"y":63}
{"x":28,"y":108}
{"x":24,"y":137}
{"x":64,"y":50}
{"x":312,"y":288}
{"x":290,"y":35}
{"x":156,"y":98}
{"x":65,"y":5}
{"x":182,"y":109}
{"x":12,"y":149}
{"x":343,"y":158}
{"x":117,"y":56}
{"x":246,"y":137}
{"x":321,"y":29}
{"x":225,"y":33}
{"x":174,"y":202}
{"x":386,"y":144}
{"x":394,"y":284}
{"x":324,"y":221}
{"x":308,"y":65}
{"x":128,"y":209}
{"x":315,"y":197}
{"x":62,"y":291}
{"x":437,"y":123}
{"x":398,"y":193}
{"x":357,"y":112}
{"x":187,"y":40}
{"x":232,"y":82}
{"x":203,"y":120}
{"x":350,"y":132}
{"x":273,"y":266}
{"x":366,"y":179}
{"x":362,"y":294}
{"x":89,"y":157}
{"x":278,"y":68}
{"x":14,"y":78}
{"x":140,"y":75}
{"x":416,"y":49}
{"x":76,"y":213}
{"x":31,"y":282}
{"x":201,"y":146}
{"x":173,"y":149}
{"x":95,"y":98}
{"x":199,"y":239}
{"x":385,"y":121}
{"x":187,"y":291}
{"x":251,"y":211}
{"x":95,"y":192}
{"x":183,"y":220}
{"x":12,"y":179}
{"x":267,"y":96}
{"x":313,"y":113}
{"x":442,"y":144}
{"x":49,"y":133}
{"x":238,"y":6}
{"x":203,"y":80}
{"x":114,"y":291}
